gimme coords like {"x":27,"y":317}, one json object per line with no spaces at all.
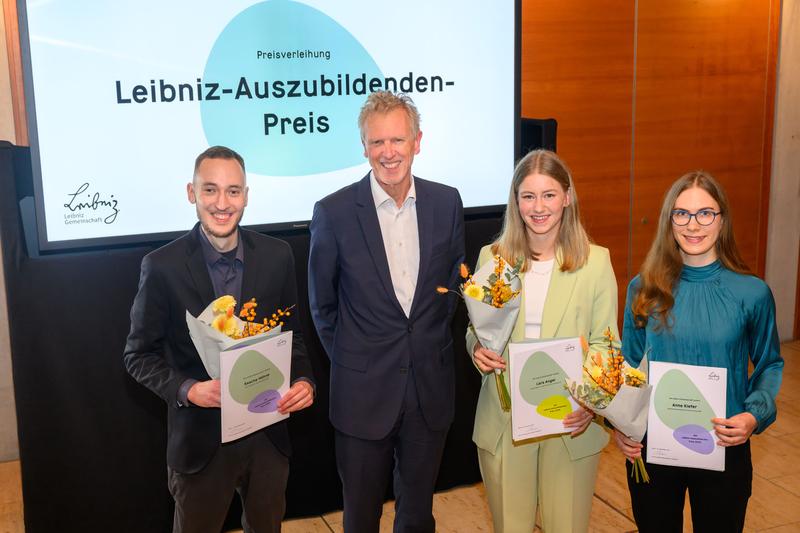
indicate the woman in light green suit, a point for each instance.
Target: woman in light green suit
{"x":569,"y":290}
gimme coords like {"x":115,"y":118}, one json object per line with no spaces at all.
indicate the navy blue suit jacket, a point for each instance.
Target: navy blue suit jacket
{"x":369,"y":339}
{"x":160,"y":355}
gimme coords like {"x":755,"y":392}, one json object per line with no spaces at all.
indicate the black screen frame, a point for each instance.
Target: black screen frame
{"x":45,"y":246}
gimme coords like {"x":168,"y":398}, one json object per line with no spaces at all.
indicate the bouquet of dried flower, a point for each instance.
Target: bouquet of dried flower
{"x":218,"y":328}
{"x":490,"y":295}
{"x":616,"y":391}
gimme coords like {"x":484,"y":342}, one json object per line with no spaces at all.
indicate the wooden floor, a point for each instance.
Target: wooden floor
{"x":774,"y":505}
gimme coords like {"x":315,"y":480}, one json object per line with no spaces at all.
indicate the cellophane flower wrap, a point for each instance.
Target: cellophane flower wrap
{"x":616,"y":391}
{"x":492,"y":298}
{"x":218,"y":328}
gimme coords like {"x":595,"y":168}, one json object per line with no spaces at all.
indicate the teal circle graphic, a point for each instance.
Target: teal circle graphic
{"x":266,"y":55}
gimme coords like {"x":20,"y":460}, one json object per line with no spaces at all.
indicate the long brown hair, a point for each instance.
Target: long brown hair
{"x":663,"y":264}
{"x":572,"y":241}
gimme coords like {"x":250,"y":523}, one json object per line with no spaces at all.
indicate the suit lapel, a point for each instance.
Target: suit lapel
{"x":197,"y":268}
{"x":251,"y":269}
{"x":558,"y":297}
{"x":424,"y":207}
{"x":370,"y":227}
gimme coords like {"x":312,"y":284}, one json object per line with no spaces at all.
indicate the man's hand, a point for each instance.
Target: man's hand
{"x":734,"y":430}
{"x":299,"y":396}
{"x":205,"y":393}
{"x":486,"y":360}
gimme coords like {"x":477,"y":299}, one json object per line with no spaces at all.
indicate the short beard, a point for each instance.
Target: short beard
{"x":216,"y":235}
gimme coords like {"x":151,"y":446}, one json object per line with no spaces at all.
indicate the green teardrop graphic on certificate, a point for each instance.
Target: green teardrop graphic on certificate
{"x":556,"y":407}
{"x":679,"y":402}
{"x":251,"y":375}
{"x":541,"y":378}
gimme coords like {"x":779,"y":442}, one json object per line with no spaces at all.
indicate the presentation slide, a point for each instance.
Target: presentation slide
{"x":123,"y":96}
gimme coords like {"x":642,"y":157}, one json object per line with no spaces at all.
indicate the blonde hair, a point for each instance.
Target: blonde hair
{"x":663,"y":265}
{"x":385,"y":101}
{"x":572,"y":241}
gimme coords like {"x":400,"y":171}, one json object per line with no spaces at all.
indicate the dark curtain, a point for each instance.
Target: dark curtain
{"x":92,"y":440}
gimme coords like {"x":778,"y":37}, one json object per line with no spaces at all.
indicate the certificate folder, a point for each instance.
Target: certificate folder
{"x":539,"y":398}
{"x":685,"y":399}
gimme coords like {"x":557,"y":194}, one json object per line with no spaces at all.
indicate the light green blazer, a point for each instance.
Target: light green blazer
{"x":583,"y":302}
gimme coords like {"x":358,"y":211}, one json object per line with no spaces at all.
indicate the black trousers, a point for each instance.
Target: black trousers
{"x":365,"y":465}
{"x":251,"y":466}
{"x":718,"y":499}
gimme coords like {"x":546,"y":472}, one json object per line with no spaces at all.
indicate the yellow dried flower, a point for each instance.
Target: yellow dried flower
{"x":224,"y":323}
{"x":635,"y":373}
{"x":223,"y":304}
{"x":474,"y":291}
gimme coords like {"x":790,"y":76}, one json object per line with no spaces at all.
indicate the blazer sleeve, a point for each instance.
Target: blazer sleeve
{"x":456,"y":252}
{"x":484,"y":255}
{"x":144,"y":350}
{"x":301,"y":365}
{"x":323,"y":276}
{"x":604,"y":304}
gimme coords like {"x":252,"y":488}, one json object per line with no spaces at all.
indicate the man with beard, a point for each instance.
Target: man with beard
{"x":215,"y":258}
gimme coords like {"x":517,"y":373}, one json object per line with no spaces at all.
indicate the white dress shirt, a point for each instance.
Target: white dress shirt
{"x":400,"y":240}
{"x":537,"y":281}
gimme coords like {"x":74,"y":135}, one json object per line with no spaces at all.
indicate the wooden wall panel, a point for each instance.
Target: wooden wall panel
{"x":577,"y":67}
{"x":704,"y":100}
{"x":796,"y":333}
{"x":15,"y":72}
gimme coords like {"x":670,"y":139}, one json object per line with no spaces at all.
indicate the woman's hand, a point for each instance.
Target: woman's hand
{"x":629,"y":447}
{"x":486,"y":360}
{"x":734,"y":430}
{"x":578,"y":421}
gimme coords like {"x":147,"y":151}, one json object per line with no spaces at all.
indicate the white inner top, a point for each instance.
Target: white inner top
{"x":537,"y":281}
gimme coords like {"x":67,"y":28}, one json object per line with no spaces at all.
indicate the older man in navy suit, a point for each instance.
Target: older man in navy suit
{"x":379,"y":249}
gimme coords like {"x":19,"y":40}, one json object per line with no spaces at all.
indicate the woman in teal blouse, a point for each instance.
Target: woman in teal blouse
{"x":695,"y":302}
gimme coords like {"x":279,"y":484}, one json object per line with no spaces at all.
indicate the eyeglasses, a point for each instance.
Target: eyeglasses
{"x":704,"y":217}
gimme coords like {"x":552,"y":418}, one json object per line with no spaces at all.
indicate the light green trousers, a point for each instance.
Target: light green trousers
{"x":540,"y":474}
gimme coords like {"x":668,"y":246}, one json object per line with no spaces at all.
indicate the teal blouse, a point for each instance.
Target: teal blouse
{"x":720,"y":318}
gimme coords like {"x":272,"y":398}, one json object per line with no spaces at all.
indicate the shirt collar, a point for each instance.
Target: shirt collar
{"x":380,"y":197}
{"x":212,"y":255}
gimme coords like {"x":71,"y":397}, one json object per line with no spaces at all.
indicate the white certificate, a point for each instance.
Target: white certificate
{"x":252,"y":380}
{"x":539,"y":398}
{"x":679,"y":429}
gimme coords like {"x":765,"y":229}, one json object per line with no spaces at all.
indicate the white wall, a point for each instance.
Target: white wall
{"x":783,"y":239}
